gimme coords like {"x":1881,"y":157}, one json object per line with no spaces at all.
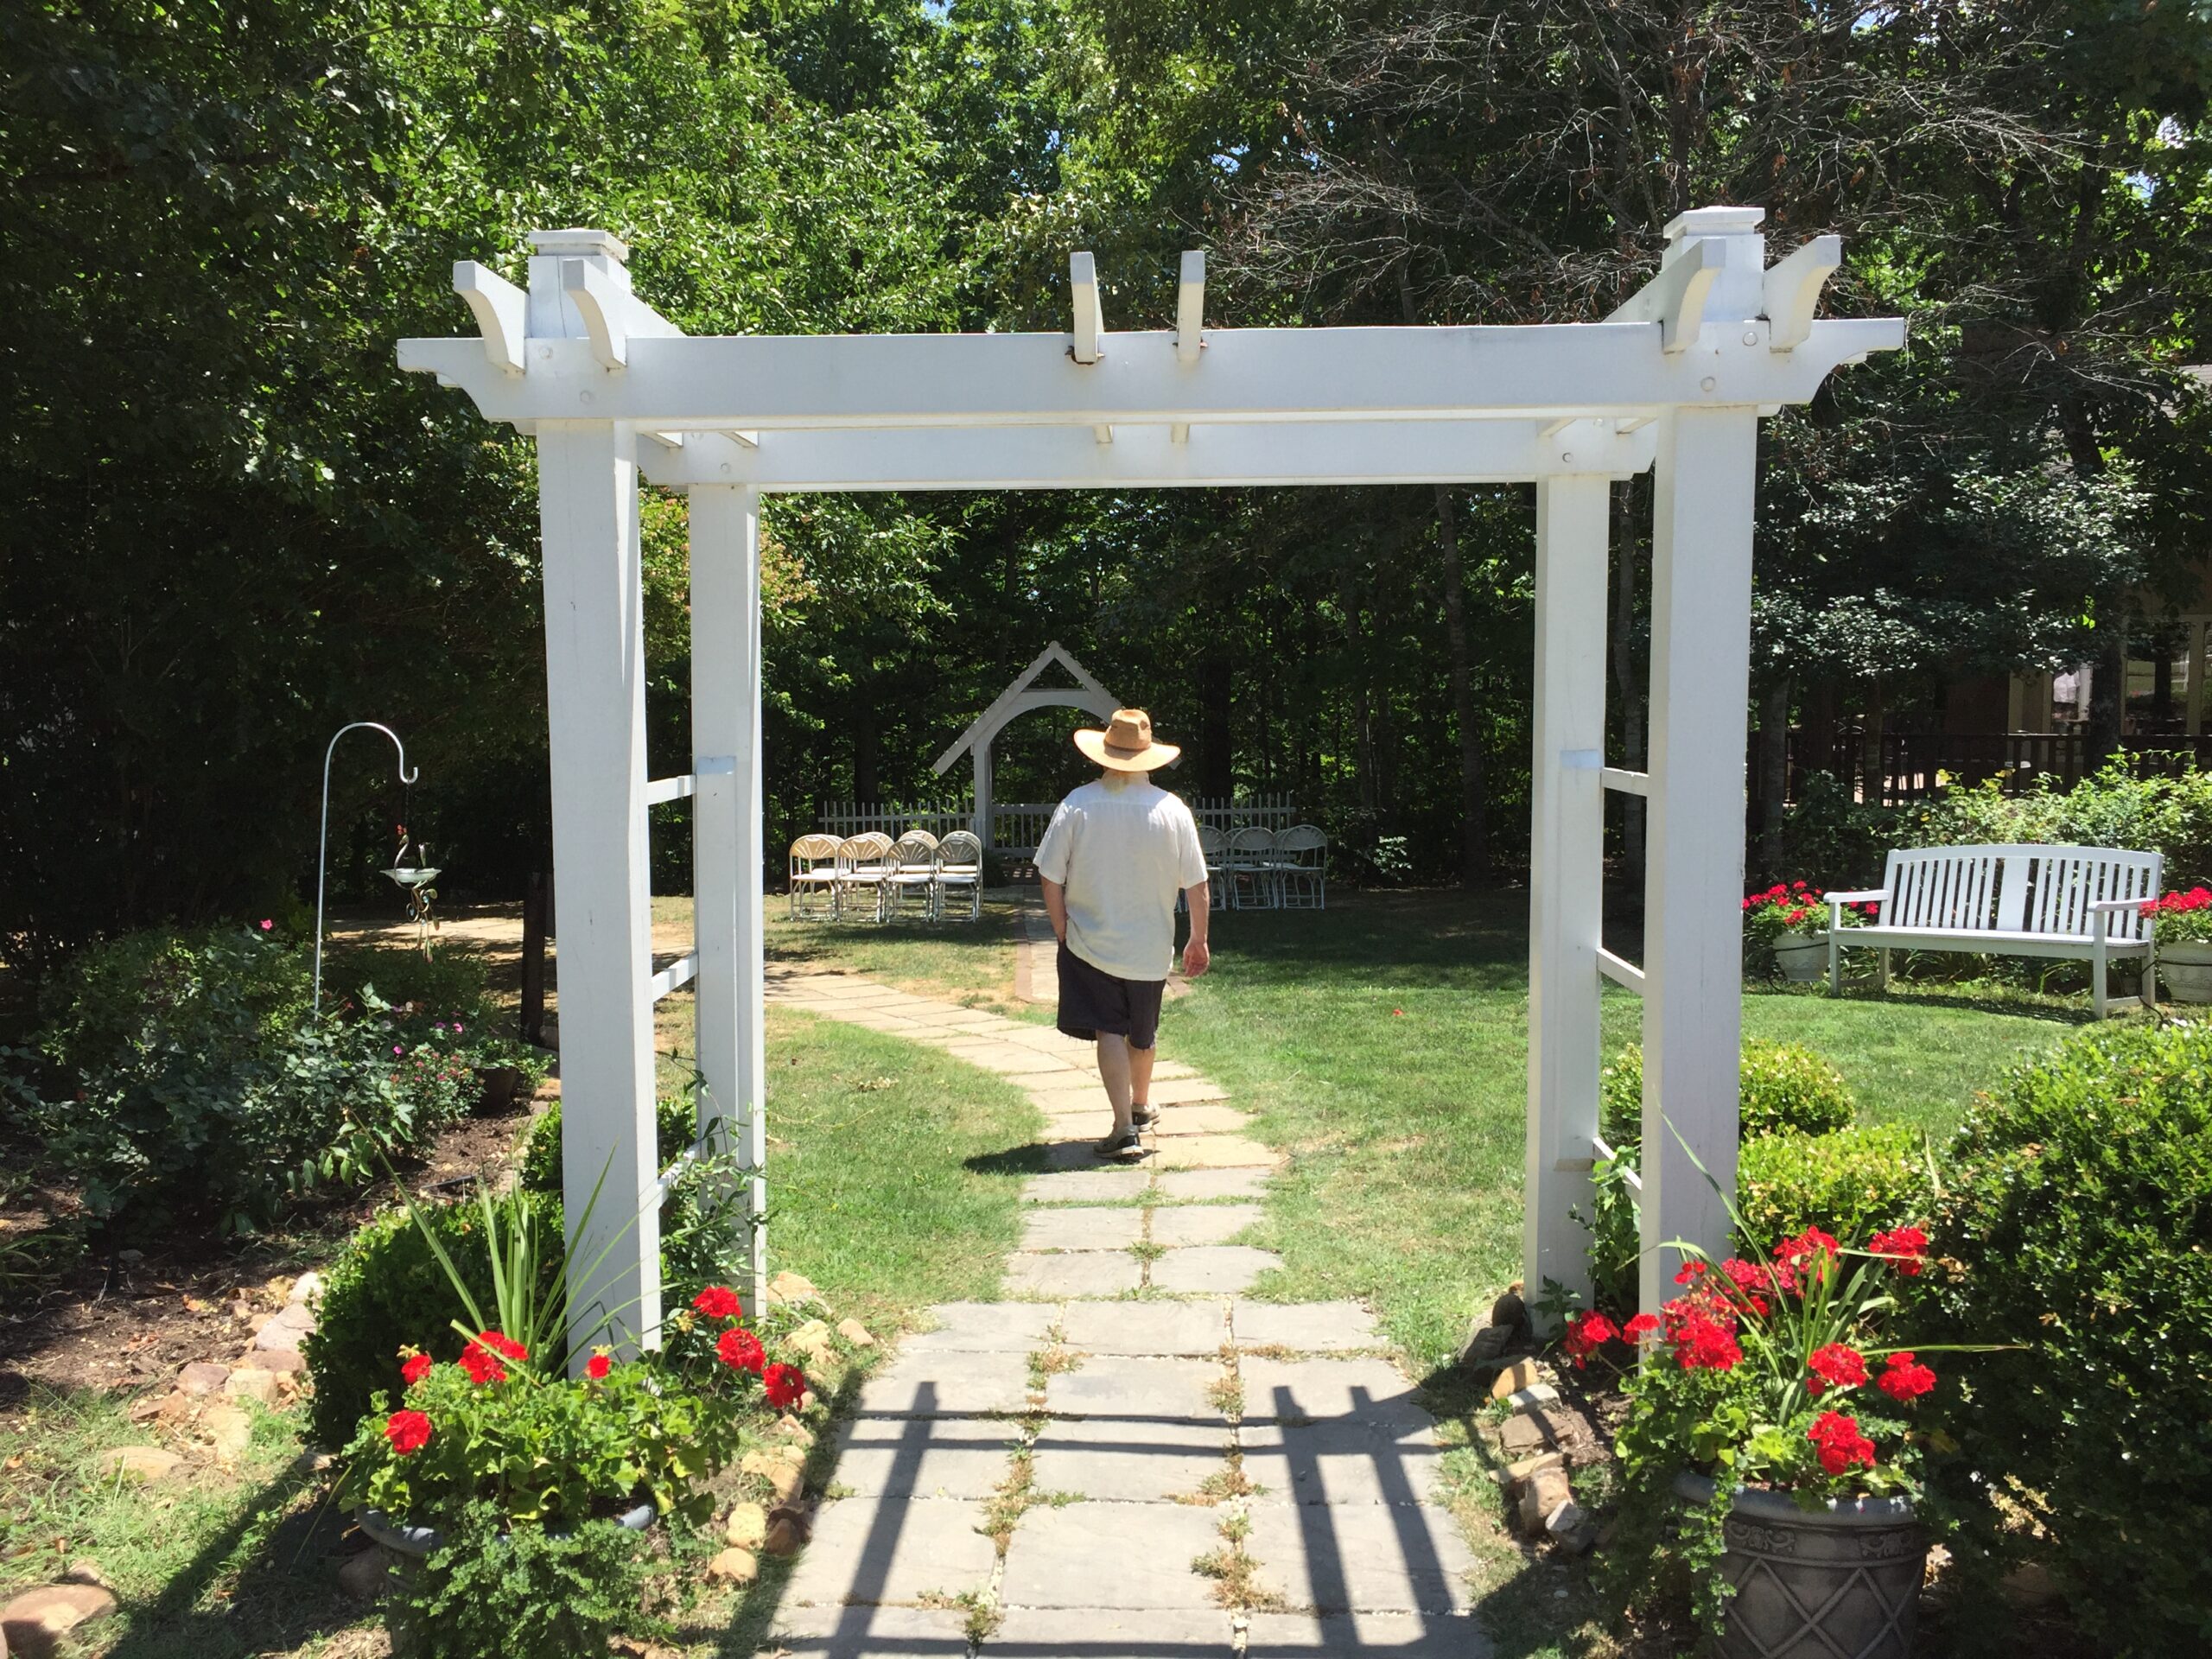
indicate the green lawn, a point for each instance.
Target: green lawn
{"x":1385,"y":1042}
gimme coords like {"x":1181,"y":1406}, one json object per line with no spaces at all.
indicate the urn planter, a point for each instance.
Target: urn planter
{"x":1802,"y":957}
{"x":403,"y":1539}
{"x":2186,"y":967}
{"x":1841,"y":1578}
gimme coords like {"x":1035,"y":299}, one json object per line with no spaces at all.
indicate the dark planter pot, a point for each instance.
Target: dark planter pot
{"x":1843,"y":1579}
{"x":398,"y":1536}
{"x":500,"y":1084}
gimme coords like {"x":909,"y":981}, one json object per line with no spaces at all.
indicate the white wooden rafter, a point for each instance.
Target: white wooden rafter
{"x":1674,"y":380}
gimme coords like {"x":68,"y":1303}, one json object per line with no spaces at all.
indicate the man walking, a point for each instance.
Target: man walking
{"x":1111,"y":862}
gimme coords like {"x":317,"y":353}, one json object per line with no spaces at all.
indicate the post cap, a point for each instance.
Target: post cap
{"x":578,"y":244}
{"x":1715,"y":222}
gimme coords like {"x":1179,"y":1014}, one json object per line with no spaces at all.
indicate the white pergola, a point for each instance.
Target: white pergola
{"x":1023,"y":696}
{"x":1675,"y":380}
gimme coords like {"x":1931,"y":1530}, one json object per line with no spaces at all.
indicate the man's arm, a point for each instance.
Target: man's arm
{"x":1056,"y":907}
{"x":1196,"y":957}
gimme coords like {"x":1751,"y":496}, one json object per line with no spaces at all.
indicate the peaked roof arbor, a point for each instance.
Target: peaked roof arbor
{"x":1674,"y":381}
{"x":1024,"y":696}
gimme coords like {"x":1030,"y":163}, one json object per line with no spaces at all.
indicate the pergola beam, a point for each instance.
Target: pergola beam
{"x":1148,"y":457}
{"x":1537,"y":371}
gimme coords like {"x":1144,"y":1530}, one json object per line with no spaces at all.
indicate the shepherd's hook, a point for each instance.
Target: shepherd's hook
{"x":323,"y":849}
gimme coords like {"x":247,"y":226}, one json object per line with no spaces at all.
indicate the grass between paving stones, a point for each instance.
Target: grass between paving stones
{"x":1384,"y":1043}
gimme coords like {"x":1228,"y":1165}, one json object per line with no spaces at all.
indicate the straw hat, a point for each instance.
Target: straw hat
{"x":1126,"y":745}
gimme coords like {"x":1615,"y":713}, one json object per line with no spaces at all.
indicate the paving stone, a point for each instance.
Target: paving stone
{"x":1089,"y":1273}
{"x":1202,"y":1120}
{"x":1341,"y":1463}
{"x":983,"y":1327}
{"x":1104,"y":1457}
{"x":1145,"y":1327}
{"x":1076,"y":1154}
{"x":892,"y":1549}
{"x":1362,"y":1557}
{"x":1173,"y":1071}
{"x":948,"y":1384}
{"x":1086,"y":1185}
{"x":865,"y":1632}
{"x":923,"y":1457}
{"x":1205,"y":1185}
{"x":1402,"y":1635}
{"x":1214,"y":1267}
{"x":1214,"y":1151}
{"x":1097,"y":1632}
{"x":1004,"y":1057}
{"x":1082,"y":1230}
{"x":1307,"y":1327}
{"x":1135,"y":1390}
{"x":1175,"y":1092}
{"x":1208,"y":1224}
{"x":1082,"y":1557}
{"x":1072,"y":1082}
{"x":1321,"y":1390}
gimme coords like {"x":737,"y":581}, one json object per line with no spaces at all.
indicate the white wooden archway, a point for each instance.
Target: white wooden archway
{"x":1024,"y":696}
{"x":1674,"y":380}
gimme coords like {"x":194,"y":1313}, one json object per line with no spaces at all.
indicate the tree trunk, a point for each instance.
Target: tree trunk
{"x":1774,"y":772}
{"x":1216,"y":761}
{"x":1474,"y":864}
{"x":1631,"y":694}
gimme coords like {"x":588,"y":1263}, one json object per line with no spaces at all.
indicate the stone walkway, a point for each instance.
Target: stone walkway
{"x":1127,"y":1459}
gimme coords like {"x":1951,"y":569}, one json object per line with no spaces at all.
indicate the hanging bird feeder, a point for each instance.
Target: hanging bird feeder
{"x":415,"y":880}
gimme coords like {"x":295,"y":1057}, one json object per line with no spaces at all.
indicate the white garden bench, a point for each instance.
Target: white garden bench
{"x":2081,"y":902}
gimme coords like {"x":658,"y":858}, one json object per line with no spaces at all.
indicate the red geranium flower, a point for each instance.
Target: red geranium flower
{"x":741,"y":1351}
{"x":480,"y":1359}
{"x":1835,"y":1366}
{"x":1691,"y":1271}
{"x":1840,"y":1443}
{"x":597,"y":1366}
{"x":415,"y":1368}
{"x":718,"y":1302}
{"x":786,"y":1385}
{"x":1587,"y":1333}
{"x":1904,"y":1379}
{"x":1904,"y":1248}
{"x":408,"y":1431}
{"x":1704,"y":1344}
{"x":1641,"y":1327}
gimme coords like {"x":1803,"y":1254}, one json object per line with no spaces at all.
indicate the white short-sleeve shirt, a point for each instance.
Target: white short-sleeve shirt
{"x":1122,"y":850}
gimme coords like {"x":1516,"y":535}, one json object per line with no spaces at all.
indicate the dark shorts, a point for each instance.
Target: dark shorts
{"x":1092,"y":1000}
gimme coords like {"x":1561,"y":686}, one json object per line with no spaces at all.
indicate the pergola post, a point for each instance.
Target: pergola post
{"x":1565,"y":870}
{"x":728,"y":848}
{"x":595,"y":704}
{"x":983,"y":793}
{"x":1693,"y":954}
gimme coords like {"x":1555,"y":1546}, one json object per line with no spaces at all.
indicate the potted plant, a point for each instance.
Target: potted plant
{"x":1789,"y":922}
{"x":1770,"y":1401}
{"x":2181,"y":925}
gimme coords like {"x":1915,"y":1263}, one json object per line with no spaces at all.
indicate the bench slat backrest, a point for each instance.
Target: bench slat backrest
{"x":2018,"y":889}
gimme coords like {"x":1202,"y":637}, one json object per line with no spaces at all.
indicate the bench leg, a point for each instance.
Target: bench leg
{"x":2097,"y":981}
{"x":1882,"y":974}
{"x":2149,"y":990}
{"x":1835,"y":962}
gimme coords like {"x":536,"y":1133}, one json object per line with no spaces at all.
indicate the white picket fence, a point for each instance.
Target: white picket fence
{"x":1016,"y":828}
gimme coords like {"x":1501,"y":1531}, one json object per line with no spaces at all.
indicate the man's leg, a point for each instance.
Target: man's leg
{"x":1113,"y":1067}
{"x":1140,"y":1061}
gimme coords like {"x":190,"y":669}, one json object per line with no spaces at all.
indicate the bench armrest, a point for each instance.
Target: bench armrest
{"x":1866,"y":896}
{"x":2118,"y":905}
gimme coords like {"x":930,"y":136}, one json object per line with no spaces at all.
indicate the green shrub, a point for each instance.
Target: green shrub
{"x":189,"y":1075}
{"x":492,"y":1589}
{"x":1786,"y":1089}
{"x":677,"y":1127}
{"x":2080,"y":1221}
{"x":446,"y":982}
{"x":2172,"y":816}
{"x":387,"y":1288}
{"x":1849,"y":1182}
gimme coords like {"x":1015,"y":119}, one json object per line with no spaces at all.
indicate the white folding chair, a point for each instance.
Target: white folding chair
{"x":913,"y":869}
{"x":1251,"y":858}
{"x":1215,"y":846}
{"x":863,"y":862}
{"x":814,"y":873}
{"x":959,"y":863}
{"x":1301,"y":870}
